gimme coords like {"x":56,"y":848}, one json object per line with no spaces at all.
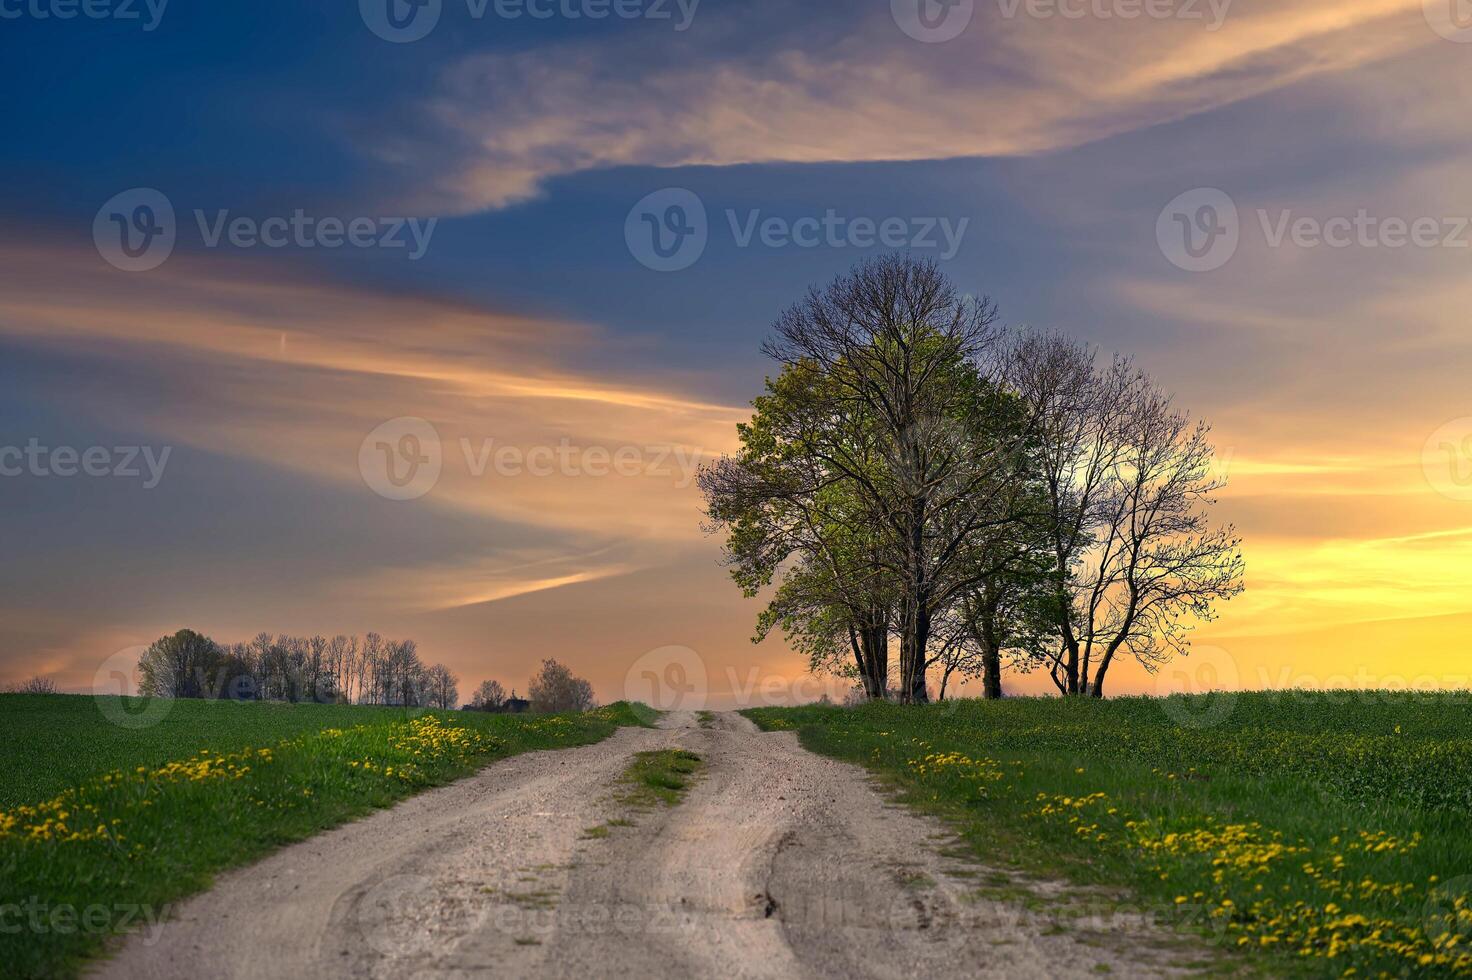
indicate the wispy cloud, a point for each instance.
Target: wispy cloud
{"x":840,"y":87}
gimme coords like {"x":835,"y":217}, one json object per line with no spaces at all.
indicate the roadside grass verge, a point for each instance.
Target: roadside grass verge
{"x":112,"y":851}
{"x":1320,"y":834}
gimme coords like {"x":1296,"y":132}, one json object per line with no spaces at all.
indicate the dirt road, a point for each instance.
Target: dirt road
{"x":779,"y":863}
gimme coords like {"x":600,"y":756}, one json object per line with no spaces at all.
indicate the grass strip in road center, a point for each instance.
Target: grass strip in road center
{"x":657,"y":778}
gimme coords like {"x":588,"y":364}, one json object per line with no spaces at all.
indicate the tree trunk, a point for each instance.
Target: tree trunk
{"x":991,"y":654}
{"x":1070,"y":668}
{"x":991,"y":674}
{"x":875,"y":639}
{"x":914,"y":635}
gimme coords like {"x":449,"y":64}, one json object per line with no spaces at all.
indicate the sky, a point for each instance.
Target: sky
{"x":526,"y":251}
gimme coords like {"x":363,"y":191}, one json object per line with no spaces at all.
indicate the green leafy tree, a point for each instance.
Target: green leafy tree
{"x":182,"y":665}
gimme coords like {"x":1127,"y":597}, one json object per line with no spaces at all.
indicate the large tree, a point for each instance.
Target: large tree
{"x":885,"y":449}
{"x":1128,"y":479}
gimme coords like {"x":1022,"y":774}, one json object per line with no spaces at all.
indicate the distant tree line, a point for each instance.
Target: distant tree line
{"x":553,"y":689}
{"x":346,"y":669}
{"x":935,"y":497}
{"x":36,"y":685}
{"x":367,"y":670}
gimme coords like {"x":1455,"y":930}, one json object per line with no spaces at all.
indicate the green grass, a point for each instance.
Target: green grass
{"x":140,"y":818}
{"x":58,"y":740}
{"x":659,"y":777}
{"x":1314,"y":833}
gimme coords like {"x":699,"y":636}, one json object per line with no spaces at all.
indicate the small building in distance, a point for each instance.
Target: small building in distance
{"x":511,"y":706}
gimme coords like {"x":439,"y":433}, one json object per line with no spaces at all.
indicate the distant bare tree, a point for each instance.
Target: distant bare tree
{"x":490,"y":696}
{"x":441,"y":687}
{"x":373,"y":684}
{"x":315,"y":667}
{"x":36,"y":685}
{"x":555,"y":689}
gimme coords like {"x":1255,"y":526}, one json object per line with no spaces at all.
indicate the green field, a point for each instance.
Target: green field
{"x":103,"y":826}
{"x":1322,"y":834}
